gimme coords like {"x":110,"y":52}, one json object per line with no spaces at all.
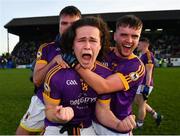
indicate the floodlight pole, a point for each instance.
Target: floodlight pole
{"x":7,"y":42}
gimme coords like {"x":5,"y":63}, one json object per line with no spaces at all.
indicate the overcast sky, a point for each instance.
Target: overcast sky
{"x":10,"y":9}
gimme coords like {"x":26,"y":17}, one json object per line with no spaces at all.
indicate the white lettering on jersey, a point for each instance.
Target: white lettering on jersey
{"x":71,"y":82}
{"x":83,"y":100}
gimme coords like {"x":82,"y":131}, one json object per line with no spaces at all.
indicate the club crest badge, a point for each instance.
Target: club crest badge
{"x":46,"y":87}
{"x":134,"y":76}
{"x":39,"y":54}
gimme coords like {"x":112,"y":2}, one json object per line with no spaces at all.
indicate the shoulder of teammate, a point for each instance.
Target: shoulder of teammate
{"x":102,"y":70}
{"x":138,"y":71}
{"x":43,"y":49}
{"x":148,"y":58}
{"x":132,"y":72}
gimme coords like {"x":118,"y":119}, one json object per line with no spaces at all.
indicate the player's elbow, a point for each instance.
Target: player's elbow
{"x":104,"y":89}
{"x":36,"y":82}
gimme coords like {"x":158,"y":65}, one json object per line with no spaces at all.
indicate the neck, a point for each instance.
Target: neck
{"x":90,"y":67}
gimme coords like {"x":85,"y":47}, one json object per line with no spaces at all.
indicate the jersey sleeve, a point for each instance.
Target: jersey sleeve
{"x":131,"y":74}
{"x":105,"y":72}
{"x":52,"y":86}
{"x":148,"y":58}
{"x":104,"y":98}
{"x":42,"y":54}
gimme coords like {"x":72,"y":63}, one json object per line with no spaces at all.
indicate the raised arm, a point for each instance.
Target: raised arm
{"x":112,"y":83}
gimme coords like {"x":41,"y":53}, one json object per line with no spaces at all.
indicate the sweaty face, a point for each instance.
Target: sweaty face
{"x":65,"y":22}
{"x":87,"y":45}
{"x":126,"y":40}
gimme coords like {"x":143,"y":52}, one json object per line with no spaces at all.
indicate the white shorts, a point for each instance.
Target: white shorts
{"x":33,"y":119}
{"x":141,"y":87}
{"x":54,"y":130}
{"x":101,"y":130}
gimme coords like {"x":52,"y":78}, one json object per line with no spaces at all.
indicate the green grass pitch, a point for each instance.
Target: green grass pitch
{"x":16,"y":91}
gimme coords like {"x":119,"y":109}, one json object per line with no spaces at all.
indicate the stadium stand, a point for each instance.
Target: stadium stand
{"x":37,"y":30}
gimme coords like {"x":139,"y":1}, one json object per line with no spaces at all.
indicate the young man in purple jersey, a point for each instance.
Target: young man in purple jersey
{"x":70,"y":102}
{"x":146,"y":87}
{"x":47,"y":55}
{"x":128,"y":74}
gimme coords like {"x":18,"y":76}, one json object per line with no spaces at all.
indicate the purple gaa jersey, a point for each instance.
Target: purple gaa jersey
{"x":148,"y":58}
{"x":131,"y":71}
{"x":66,"y":87}
{"x":45,"y":54}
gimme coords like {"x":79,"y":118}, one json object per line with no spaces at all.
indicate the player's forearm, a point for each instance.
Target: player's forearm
{"x":112,"y":83}
{"x":38,"y":77}
{"x":51,"y":115}
{"x":148,"y":79}
{"x":149,"y":69}
{"x":106,"y":117}
{"x":40,"y":74}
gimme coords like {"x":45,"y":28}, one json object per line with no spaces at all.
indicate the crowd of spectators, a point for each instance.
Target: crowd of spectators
{"x":25,"y":52}
{"x":7,"y":61}
{"x":164,"y":47}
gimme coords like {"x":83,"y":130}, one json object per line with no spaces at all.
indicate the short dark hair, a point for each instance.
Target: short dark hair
{"x":144,"y":39}
{"x":129,"y":20}
{"x":68,"y":37}
{"x":71,"y":11}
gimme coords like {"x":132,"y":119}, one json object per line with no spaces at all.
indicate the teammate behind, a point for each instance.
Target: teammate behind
{"x":48,"y":54}
{"x":146,"y":87}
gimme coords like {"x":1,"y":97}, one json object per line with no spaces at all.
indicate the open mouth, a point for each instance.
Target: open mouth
{"x":86,"y":59}
{"x":127,"y":46}
{"x":86,"y":56}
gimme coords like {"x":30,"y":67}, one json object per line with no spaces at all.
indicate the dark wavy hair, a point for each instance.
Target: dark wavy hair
{"x":68,"y":37}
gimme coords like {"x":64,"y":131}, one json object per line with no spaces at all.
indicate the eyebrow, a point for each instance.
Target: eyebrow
{"x":88,"y":38}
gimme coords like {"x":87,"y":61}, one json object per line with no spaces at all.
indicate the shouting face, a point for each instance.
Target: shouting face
{"x":126,"y":40}
{"x":87,"y":45}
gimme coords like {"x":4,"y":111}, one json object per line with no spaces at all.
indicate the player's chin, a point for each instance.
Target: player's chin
{"x":87,"y":65}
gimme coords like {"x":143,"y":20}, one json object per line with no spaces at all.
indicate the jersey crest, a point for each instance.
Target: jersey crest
{"x":134,"y":76}
{"x":39,"y":54}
